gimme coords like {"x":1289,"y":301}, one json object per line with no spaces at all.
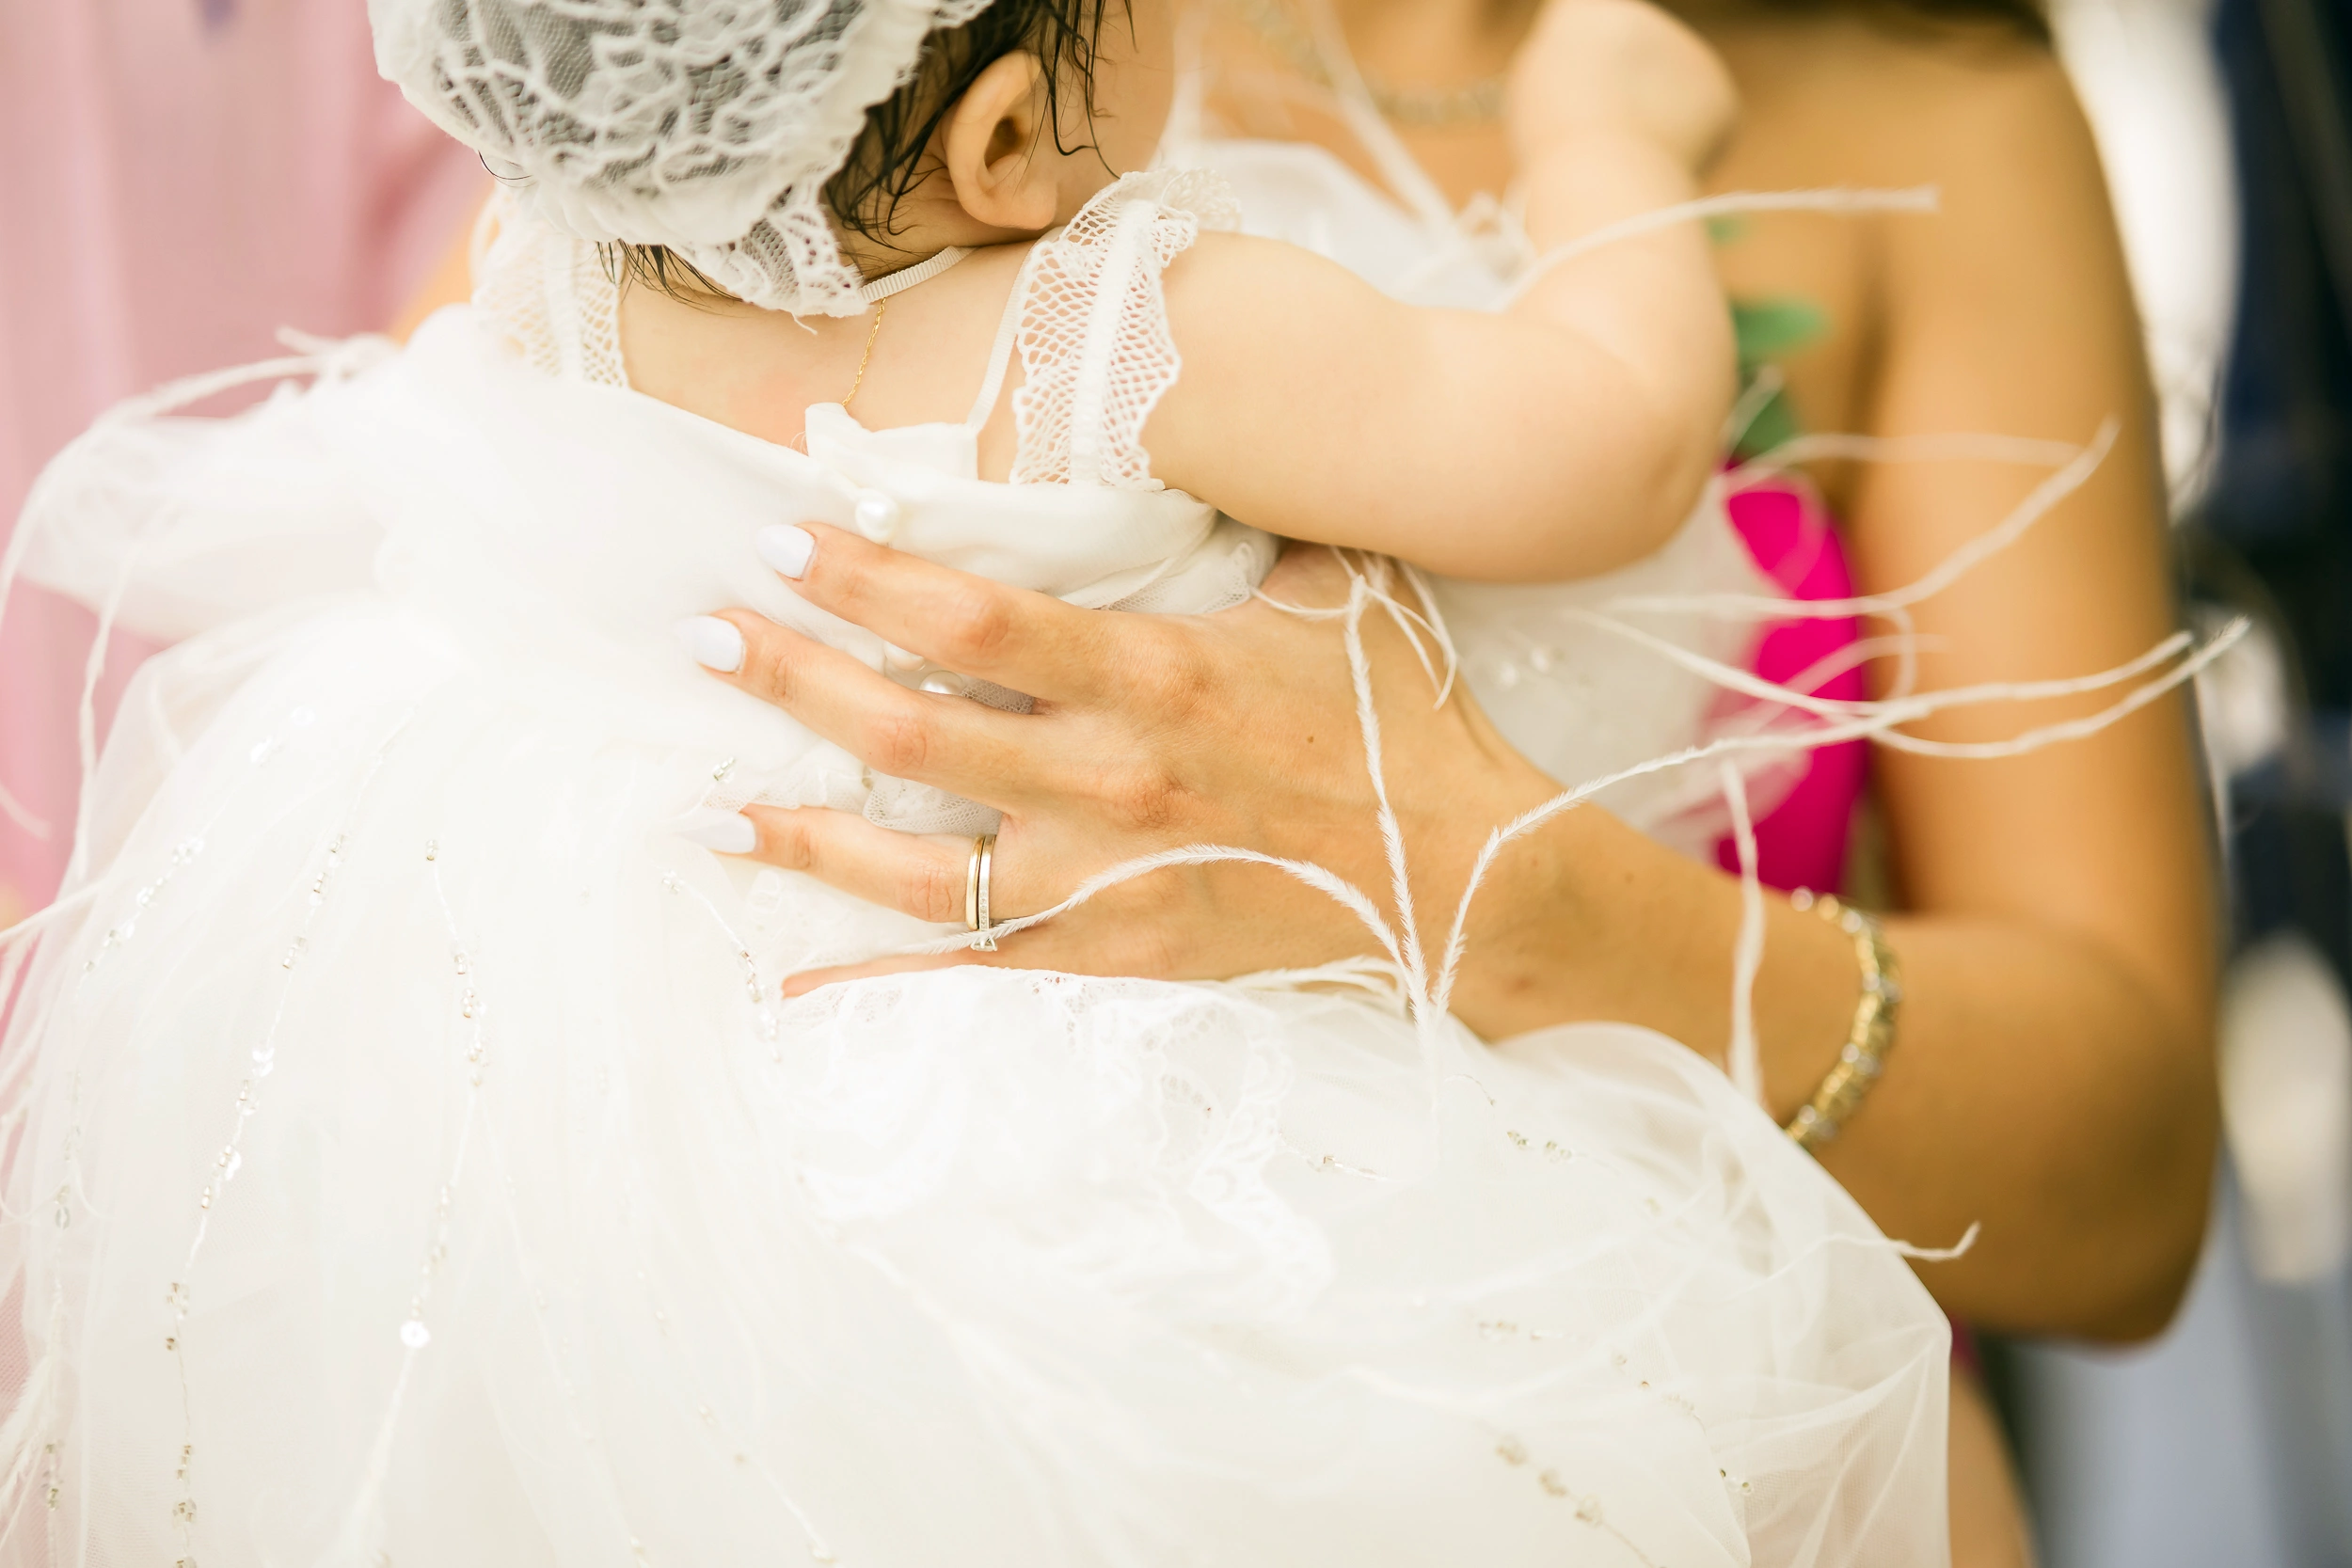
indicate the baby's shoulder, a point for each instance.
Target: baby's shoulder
{"x":1179,"y":231}
{"x":1232,"y":298}
{"x":1236,"y":266}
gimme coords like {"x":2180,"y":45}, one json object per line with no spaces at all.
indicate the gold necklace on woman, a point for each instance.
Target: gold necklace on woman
{"x":1478,"y":102}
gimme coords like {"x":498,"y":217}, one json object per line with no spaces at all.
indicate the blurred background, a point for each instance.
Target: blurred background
{"x":188,"y":175}
{"x":2226,"y":126}
{"x":183,"y":177}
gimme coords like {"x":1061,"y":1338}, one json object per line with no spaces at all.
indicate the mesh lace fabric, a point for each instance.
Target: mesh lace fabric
{"x":551,"y":296}
{"x":1096,"y":353}
{"x":1095,"y":350}
{"x":709,"y":126}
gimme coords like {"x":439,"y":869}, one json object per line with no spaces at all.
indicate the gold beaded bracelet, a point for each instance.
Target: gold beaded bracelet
{"x":1874,"y":1032}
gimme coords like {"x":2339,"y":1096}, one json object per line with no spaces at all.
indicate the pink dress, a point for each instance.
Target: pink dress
{"x":1801,"y":841}
{"x":182,"y":178}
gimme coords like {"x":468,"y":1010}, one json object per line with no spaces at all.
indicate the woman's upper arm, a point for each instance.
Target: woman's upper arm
{"x":2012,"y":314}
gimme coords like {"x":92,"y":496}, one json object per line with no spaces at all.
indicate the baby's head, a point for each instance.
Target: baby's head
{"x":778,"y":148}
{"x":1010,"y":123}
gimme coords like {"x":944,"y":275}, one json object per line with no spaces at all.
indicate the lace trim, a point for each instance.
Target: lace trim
{"x":1093,"y":331}
{"x":1096,"y":355}
{"x":550,"y":294}
{"x":708,"y":126}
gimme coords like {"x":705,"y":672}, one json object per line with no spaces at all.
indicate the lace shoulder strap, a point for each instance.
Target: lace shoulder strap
{"x":550,"y":293}
{"x":1093,"y":339}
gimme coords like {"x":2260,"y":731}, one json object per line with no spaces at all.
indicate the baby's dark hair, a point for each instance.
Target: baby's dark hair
{"x":893,"y":153}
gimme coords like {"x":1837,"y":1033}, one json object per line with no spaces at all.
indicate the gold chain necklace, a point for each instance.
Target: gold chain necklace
{"x":878,"y":292}
{"x":1479,"y":102}
{"x":872,"y":333}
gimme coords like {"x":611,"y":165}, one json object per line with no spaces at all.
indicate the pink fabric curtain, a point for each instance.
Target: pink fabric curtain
{"x":178,"y":179}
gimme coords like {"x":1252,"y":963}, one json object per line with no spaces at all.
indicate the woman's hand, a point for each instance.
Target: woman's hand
{"x":1148,"y":733}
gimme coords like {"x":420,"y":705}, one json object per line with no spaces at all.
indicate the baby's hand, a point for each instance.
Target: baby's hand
{"x":1624,"y":66}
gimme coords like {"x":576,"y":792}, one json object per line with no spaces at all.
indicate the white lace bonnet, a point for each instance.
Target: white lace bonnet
{"x":707,"y":126}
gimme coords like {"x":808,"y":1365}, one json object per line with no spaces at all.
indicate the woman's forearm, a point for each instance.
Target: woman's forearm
{"x":2040,"y":1089}
{"x":2035,"y":1088}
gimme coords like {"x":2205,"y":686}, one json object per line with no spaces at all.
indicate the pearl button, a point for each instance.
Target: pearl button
{"x":877,"y":516}
{"x":944,"y":683}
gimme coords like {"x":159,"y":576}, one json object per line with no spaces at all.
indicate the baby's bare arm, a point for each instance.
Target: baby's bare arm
{"x":1563,"y":438}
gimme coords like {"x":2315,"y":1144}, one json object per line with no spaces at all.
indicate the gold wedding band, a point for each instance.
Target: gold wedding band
{"x":976,"y":876}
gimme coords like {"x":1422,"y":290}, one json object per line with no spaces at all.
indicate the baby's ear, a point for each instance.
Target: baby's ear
{"x":1000,"y":155}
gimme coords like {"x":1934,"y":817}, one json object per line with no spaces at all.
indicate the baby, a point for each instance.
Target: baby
{"x":415,"y":1159}
{"x":1308,"y":404}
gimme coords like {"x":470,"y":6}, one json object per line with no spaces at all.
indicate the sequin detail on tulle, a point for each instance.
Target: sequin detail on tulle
{"x":177,"y":1299}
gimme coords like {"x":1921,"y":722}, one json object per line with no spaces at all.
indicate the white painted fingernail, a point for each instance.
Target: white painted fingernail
{"x":730,"y":836}
{"x":713,"y":642}
{"x":784,"y":548}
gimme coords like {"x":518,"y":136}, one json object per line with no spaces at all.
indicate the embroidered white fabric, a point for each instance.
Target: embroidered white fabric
{"x":709,"y":126}
{"x":1095,"y":350}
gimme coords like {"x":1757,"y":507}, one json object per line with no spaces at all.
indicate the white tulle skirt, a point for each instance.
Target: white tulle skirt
{"x":412,"y":1163}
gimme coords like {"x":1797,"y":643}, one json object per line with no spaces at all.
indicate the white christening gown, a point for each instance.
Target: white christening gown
{"x":410,"y":1161}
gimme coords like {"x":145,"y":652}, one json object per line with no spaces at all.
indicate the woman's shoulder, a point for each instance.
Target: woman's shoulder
{"x":2021,"y":245}
{"x":1982,"y":113}
{"x":1924,"y":90}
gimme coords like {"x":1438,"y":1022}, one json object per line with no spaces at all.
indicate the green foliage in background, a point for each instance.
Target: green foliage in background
{"x":1766,"y":330}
